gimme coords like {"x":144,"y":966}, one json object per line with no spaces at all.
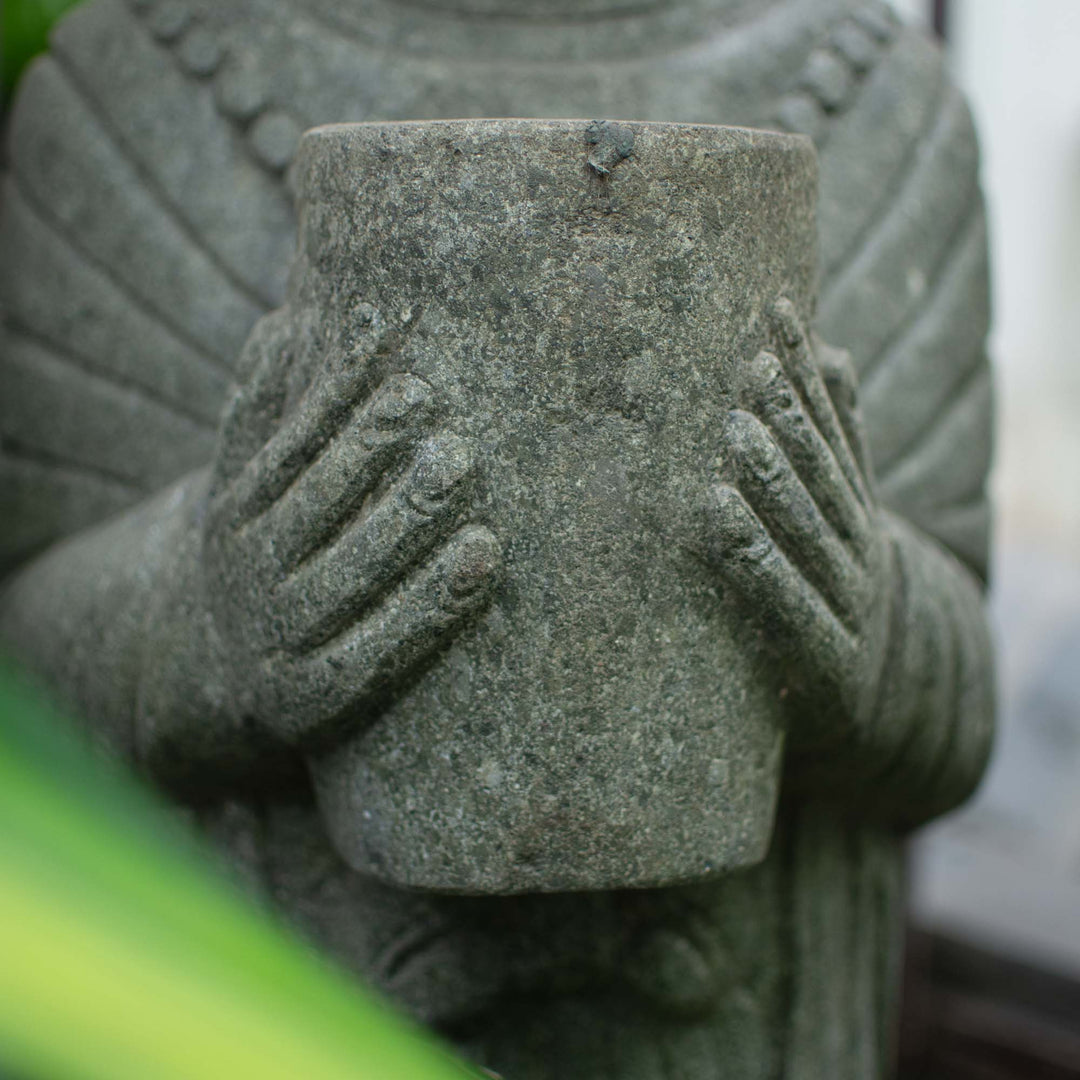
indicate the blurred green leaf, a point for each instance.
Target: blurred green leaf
{"x":24,"y":32}
{"x":123,"y":956}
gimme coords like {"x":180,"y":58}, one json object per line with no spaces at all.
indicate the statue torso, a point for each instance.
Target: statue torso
{"x":150,"y":161}
{"x":148,"y":222}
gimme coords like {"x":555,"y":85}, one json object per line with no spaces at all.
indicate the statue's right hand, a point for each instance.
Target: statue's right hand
{"x":338,"y":553}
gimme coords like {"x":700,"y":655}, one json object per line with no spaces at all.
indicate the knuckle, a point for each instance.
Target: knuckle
{"x":444,"y":468}
{"x":787,"y":322}
{"x":233,"y":409}
{"x":773,"y":474}
{"x":399,"y":399}
{"x":765,"y":367}
{"x":756,"y":454}
{"x":741,"y":429}
{"x":760,"y":552}
{"x":370,"y":333}
{"x":732,"y":521}
{"x":772,"y":388}
{"x":473,"y":562}
{"x":837,"y":367}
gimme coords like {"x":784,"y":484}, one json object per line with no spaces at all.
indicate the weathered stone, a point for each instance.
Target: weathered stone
{"x":351,"y":495}
{"x":587,"y":329}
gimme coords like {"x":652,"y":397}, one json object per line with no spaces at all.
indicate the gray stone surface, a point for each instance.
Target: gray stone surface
{"x":1005,"y":870}
{"x":147,"y":224}
{"x":583,"y":302}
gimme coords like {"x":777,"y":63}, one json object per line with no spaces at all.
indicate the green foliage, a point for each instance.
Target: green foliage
{"x":24,"y":32}
{"x":124,"y":957}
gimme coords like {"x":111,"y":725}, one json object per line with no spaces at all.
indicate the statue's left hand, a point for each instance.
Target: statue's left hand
{"x":797,"y":533}
{"x":331,"y":554}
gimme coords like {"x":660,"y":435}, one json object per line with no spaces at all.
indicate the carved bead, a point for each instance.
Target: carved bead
{"x":241,"y":92}
{"x":856,"y":46}
{"x":200,"y":52}
{"x":879,"y":20}
{"x":802,"y":113}
{"x":828,"y":78}
{"x":274,"y":137}
{"x":169,"y":20}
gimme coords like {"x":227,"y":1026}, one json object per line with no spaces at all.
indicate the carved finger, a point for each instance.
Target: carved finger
{"x":772,"y":590}
{"x":768,"y":481}
{"x":341,"y":685}
{"x":333,"y":488}
{"x":333,"y":587}
{"x":254,"y":409}
{"x":842,"y":383}
{"x":780,"y":407}
{"x":798,"y":359}
{"x":329,"y":402}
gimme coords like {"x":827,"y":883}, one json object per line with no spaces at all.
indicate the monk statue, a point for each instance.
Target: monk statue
{"x":266,"y":532}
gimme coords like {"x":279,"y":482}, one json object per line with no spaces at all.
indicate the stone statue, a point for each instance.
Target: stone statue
{"x":278,"y":610}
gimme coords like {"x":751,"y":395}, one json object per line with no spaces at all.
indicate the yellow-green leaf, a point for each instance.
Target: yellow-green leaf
{"x":123,"y":956}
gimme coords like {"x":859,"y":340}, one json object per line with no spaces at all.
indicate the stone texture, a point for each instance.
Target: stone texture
{"x":586,"y":328}
{"x":144,"y":231}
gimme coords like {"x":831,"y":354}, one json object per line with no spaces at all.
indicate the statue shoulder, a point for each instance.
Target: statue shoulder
{"x":141,"y":235}
{"x":905,"y":278}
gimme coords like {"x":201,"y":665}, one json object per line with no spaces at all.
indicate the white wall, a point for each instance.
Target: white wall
{"x":1020,"y":65}
{"x":1007,"y":871}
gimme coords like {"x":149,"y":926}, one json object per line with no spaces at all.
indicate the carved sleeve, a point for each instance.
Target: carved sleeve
{"x":935,"y":714}
{"x":905,"y":283}
{"x":925,"y":744}
{"x":126,"y":291}
{"x":905,"y":288}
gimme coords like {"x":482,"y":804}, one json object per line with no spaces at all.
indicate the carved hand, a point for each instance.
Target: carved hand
{"x":797,"y":532}
{"x":331,"y":554}
{"x":337,"y":549}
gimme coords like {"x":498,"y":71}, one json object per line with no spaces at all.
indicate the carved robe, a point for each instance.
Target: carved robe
{"x":147,"y":223}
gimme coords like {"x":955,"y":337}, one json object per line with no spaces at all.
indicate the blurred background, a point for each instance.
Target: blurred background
{"x":994,"y":968}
